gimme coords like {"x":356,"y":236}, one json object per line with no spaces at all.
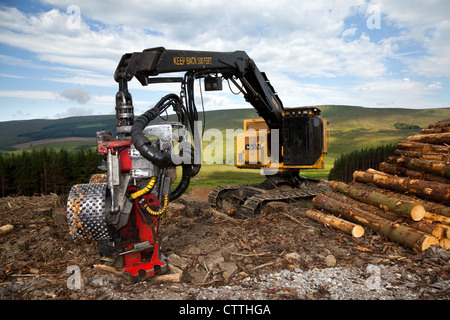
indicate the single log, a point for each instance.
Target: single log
{"x":427,"y":189}
{"x":433,"y":138}
{"x":402,"y":207}
{"x":395,"y":169}
{"x":429,"y":206}
{"x":107,"y":268}
{"x":437,"y":218}
{"x":348,"y":227}
{"x":433,"y":166}
{"x":7,"y":228}
{"x":435,"y":130}
{"x":435,"y":230}
{"x":422,"y":147}
{"x":422,"y":155}
{"x":408,"y":236}
{"x":445,"y":227}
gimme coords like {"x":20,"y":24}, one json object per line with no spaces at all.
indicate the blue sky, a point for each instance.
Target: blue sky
{"x":57,"y":57}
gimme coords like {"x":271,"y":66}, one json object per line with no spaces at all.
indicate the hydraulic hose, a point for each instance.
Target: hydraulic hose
{"x":142,"y":143}
{"x":145,"y":190}
{"x":158,"y":157}
{"x":184,"y":183}
{"x":159,"y":212}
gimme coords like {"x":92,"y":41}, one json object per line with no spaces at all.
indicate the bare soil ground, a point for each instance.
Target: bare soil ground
{"x":278,"y":255}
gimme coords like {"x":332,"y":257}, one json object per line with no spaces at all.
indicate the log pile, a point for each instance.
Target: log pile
{"x":407,"y":200}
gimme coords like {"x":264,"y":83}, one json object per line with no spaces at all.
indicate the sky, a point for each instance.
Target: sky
{"x":58,"y":57}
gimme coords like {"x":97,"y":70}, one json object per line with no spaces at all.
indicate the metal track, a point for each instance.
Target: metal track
{"x":214,"y":194}
{"x":253,"y":204}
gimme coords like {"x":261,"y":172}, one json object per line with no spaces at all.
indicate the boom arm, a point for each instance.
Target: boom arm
{"x":150,"y":63}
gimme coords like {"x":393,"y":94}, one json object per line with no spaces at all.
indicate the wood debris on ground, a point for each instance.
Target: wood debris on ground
{"x":407,"y":201}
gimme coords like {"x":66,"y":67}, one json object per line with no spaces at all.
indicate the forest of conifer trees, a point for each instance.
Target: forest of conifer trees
{"x":45,"y":171}
{"x":361,"y":160}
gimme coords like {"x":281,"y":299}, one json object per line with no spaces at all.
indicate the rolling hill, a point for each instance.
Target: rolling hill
{"x":350,"y":127}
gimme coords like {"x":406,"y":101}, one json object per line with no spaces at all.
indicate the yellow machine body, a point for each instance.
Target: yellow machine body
{"x":307,"y":132}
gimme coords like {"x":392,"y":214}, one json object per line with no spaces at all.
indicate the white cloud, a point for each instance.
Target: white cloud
{"x":297,"y":44}
{"x":28,"y":94}
{"x":425,"y":24}
{"x":404,"y":93}
{"x":305,"y":35}
{"x":350,"y":32}
{"x":13,"y":76}
{"x":78,"y":94}
{"x":86,"y":80}
{"x":74,"y":112}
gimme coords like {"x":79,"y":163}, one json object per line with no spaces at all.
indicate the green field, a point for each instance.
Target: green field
{"x":211,"y":176}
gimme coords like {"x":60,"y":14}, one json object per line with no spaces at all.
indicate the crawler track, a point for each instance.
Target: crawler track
{"x":249,"y":200}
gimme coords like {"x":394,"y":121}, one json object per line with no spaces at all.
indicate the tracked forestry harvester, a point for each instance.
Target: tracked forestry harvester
{"x":121,"y":209}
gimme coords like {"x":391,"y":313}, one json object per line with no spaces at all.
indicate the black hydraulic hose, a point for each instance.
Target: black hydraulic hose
{"x":158,"y":157}
{"x":192,"y":116}
{"x":195,"y":169}
{"x":142,"y":143}
{"x":184,"y":183}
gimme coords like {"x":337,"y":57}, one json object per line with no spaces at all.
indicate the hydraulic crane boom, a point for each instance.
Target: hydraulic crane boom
{"x":148,"y":64}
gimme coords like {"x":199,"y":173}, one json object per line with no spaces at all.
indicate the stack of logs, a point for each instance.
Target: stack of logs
{"x":407,"y":201}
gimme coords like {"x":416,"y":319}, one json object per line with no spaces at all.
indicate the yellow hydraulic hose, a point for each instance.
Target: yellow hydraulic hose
{"x":145,"y":190}
{"x":159,"y":212}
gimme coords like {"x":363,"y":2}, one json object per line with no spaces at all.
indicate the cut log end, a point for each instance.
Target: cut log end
{"x":428,"y":242}
{"x":418,"y":212}
{"x":357,"y":231}
{"x":445,"y":243}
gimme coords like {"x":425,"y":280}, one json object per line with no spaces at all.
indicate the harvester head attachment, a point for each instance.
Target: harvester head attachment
{"x":86,"y":211}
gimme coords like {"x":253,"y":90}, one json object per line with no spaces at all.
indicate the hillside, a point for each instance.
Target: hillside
{"x":350,"y":127}
{"x":358,"y":127}
{"x":26,"y":131}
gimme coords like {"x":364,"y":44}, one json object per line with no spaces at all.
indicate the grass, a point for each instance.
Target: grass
{"x":348,"y":140}
{"x":211,"y":176}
